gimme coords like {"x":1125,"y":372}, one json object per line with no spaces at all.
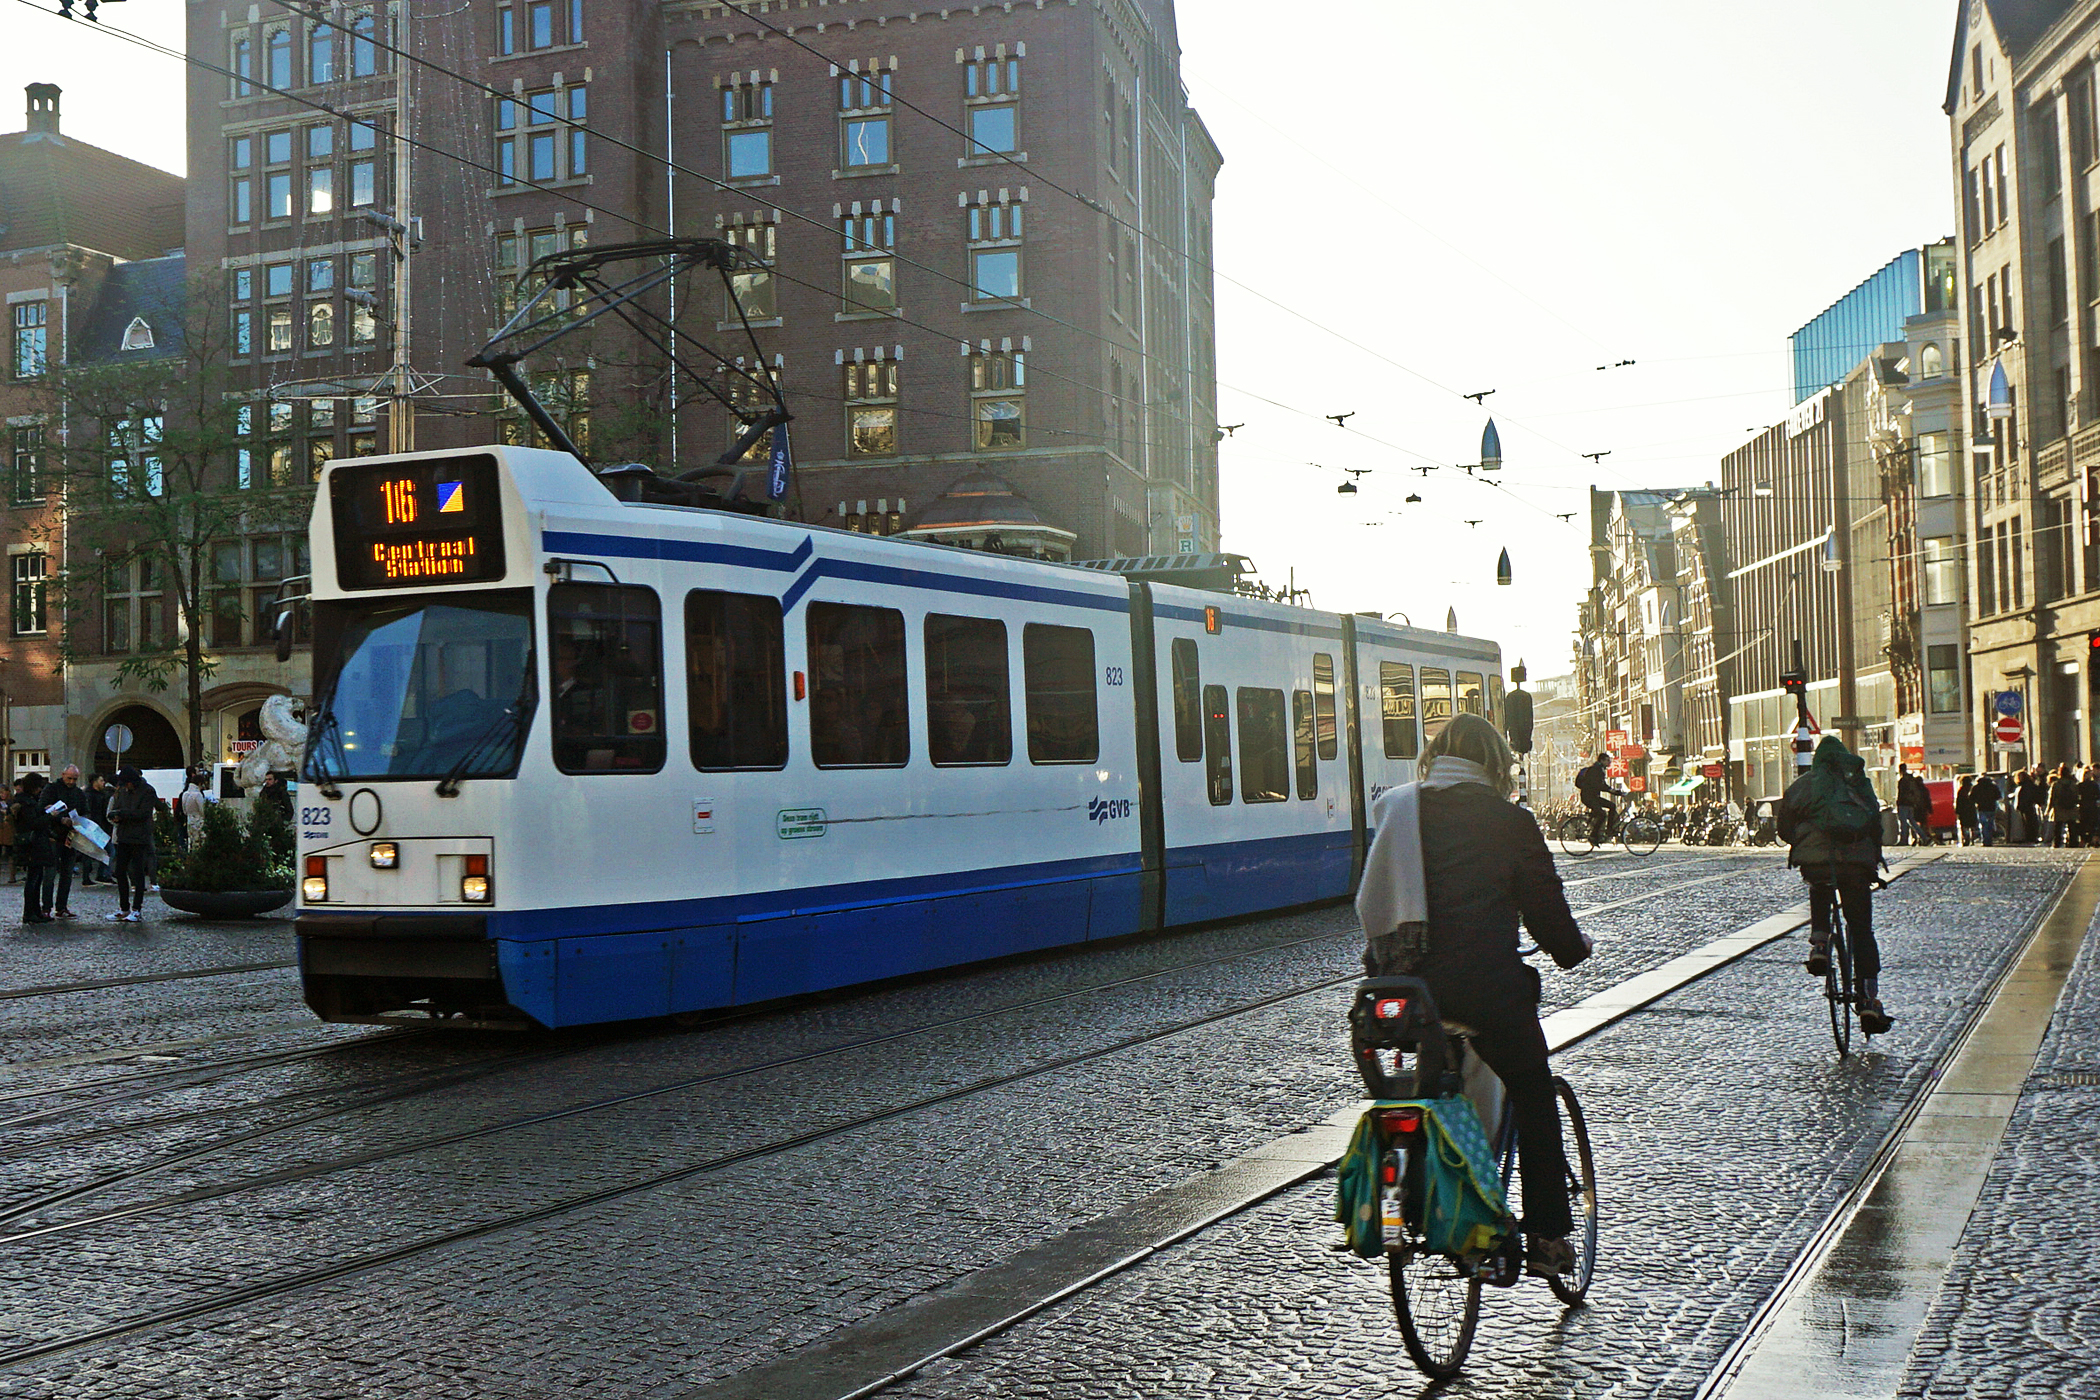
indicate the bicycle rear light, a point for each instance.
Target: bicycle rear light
{"x":1400,"y":1120}
{"x":1389,"y":1008}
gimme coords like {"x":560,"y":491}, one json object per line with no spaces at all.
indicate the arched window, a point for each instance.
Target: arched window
{"x":1931,"y":363}
{"x":138,"y":335}
{"x":280,"y":58}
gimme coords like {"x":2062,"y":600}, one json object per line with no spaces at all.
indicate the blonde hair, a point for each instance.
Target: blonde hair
{"x":1472,"y":738}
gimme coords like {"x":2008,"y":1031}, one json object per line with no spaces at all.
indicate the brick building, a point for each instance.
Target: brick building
{"x":937,"y":308}
{"x":83,"y":233}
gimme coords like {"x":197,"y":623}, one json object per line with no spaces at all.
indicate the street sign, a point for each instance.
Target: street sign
{"x":1615,"y":738}
{"x":1614,"y":770}
{"x":1712,"y":772}
{"x":118,"y":737}
{"x":2007,"y":731}
{"x":2008,"y":702}
{"x":1636,"y":784}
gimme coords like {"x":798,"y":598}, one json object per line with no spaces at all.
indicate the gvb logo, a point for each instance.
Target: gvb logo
{"x":1107,"y":809}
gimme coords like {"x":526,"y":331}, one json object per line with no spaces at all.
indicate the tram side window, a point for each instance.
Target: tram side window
{"x":1396,"y":691}
{"x":1471,"y":695}
{"x":968,"y":714}
{"x":1494,"y":711}
{"x":1436,"y":700}
{"x":606,"y":649}
{"x":1302,"y":744}
{"x":858,"y":711}
{"x":736,"y":681}
{"x":1217,"y":745}
{"x":1265,"y":774}
{"x":1323,"y":705}
{"x":1063,"y":719}
{"x":1188,"y":701}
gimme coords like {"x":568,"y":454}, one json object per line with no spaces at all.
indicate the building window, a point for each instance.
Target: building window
{"x":533,"y":139}
{"x":364,"y":277}
{"x":871,"y":408}
{"x":990,"y":86}
{"x":320,"y":189}
{"x":1943,"y":678}
{"x":751,"y":293}
{"x":870,"y":268}
{"x":995,"y":256}
{"x":506,"y":30}
{"x":364,"y":51}
{"x":280,"y":325}
{"x":864,"y":122}
{"x":320,"y":54}
{"x":747,"y":135}
{"x":858,"y":701}
{"x":736,"y":681}
{"x":242,"y":60}
{"x":539,"y":23}
{"x":28,"y":610}
{"x":277,"y":49}
{"x":134,"y":457}
{"x":240,"y":202}
{"x":26,"y":463}
{"x":997,"y":406}
{"x":320,"y":325}
{"x":518,"y":253}
{"x":32,"y":347}
{"x":967,"y":717}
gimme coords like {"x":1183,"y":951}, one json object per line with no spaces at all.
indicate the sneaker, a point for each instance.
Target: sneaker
{"x":121,"y":916}
{"x":1548,"y":1258}
{"x":132,"y":917}
{"x":1873,"y":1019}
{"x":62,"y":914}
{"x":1818,"y":963}
{"x":36,"y":918}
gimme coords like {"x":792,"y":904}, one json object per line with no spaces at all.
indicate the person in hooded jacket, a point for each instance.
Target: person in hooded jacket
{"x":1483,"y":866}
{"x":1840,"y":868}
{"x":37,"y":835}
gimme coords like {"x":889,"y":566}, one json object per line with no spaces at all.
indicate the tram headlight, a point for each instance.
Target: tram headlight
{"x":315,"y":886}
{"x":474,"y":884}
{"x":385,"y":855}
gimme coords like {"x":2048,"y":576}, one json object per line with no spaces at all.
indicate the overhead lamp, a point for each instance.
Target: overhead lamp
{"x":1347,"y":488}
{"x":1490,"y":448}
{"x":2001,"y":400}
{"x":1831,"y":560}
{"x":1502,"y":569}
{"x":1762,"y":490}
{"x":1414,"y":500}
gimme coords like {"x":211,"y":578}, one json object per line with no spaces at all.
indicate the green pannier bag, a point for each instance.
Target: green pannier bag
{"x":1464,"y":1213}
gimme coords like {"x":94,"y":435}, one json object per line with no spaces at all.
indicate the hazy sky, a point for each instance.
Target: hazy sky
{"x":1479,"y":196}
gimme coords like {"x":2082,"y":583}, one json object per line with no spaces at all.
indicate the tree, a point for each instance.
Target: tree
{"x":159,"y":459}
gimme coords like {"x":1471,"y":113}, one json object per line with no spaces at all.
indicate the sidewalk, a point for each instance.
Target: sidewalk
{"x":2019,"y":1311}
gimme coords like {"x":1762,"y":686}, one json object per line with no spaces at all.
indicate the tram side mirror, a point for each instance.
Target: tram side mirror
{"x":283,"y":632}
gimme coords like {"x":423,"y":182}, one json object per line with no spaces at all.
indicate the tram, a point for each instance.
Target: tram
{"x":575,"y":758}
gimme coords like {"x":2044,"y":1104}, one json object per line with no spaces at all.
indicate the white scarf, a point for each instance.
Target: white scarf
{"x":1394,"y":891}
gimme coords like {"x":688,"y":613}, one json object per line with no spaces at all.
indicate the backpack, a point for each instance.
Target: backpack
{"x":1590,"y":779}
{"x":1840,"y":804}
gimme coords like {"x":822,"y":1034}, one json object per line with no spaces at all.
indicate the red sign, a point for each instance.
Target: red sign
{"x":1712,"y":772}
{"x":1615,"y":738}
{"x":1636,"y":784}
{"x":1913,"y":753}
{"x":2007,"y":731}
{"x":1630,"y":752}
{"x":1615,"y":770}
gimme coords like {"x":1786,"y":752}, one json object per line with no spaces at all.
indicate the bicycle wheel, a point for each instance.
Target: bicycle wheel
{"x":1438,"y":1307}
{"x":1837,"y":983}
{"x":1575,"y":835}
{"x":1582,"y":1195}
{"x":1641,"y":835}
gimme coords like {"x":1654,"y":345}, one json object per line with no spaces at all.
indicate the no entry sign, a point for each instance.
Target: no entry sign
{"x":2007,"y":730}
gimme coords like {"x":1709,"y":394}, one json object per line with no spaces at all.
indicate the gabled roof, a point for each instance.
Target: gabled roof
{"x":2018,"y":24}
{"x":55,"y":189}
{"x":151,"y":290}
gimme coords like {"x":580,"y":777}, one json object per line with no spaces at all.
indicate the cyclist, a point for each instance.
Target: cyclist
{"x":1592,"y":784}
{"x":1832,"y":820}
{"x":1454,"y":866}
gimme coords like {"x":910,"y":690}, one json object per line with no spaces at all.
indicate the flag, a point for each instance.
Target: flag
{"x":783,"y":462}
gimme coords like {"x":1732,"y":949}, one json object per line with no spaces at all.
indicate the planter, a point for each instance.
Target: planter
{"x":225,"y":904}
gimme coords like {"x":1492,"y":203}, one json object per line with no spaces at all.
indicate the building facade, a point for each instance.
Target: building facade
{"x":978,"y":240}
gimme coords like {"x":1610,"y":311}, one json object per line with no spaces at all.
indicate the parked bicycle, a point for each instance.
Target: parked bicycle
{"x":1639,"y":832}
{"x":1424,"y":1149}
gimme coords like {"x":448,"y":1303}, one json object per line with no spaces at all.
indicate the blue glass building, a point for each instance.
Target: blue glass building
{"x":1857,"y":323}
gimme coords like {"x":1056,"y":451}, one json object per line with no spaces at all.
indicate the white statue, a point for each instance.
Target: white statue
{"x":283,"y":723}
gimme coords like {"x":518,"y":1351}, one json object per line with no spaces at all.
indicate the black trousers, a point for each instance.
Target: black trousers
{"x":131,"y":864}
{"x":1852,"y":889}
{"x":1600,"y":816}
{"x":1512,"y":1043}
{"x":36,"y":888}
{"x":66,"y":861}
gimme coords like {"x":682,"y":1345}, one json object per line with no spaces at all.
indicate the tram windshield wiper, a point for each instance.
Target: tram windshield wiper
{"x":325,"y":727}
{"x":512,"y":719}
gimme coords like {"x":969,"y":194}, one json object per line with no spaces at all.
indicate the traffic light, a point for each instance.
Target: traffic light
{"x":1516,"y":720}
{"x":2092,"y":641}
{"x":1793,"y":682}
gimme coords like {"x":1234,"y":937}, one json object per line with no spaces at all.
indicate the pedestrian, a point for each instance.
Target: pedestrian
{"x":276,"y":794}
{"x":1987,"y":795}
{"x":69,"y":791}
{"x":2089,"y":805}
{"x":190,"y":804}
{"x":34,"y":846}
{"x":1832,"y":820}
{"x":131,"y":841}
{"x":2029,"y":800}
{"x":1965,"y":808}
{"x":2063,"y":805}
{"x":98,"y":795}
{"x":1907,"y":789}
{"x":1453,"y":868}
{"x":7,"y":840}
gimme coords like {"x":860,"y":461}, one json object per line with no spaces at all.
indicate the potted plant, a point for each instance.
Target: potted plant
{"x":231,"y":871}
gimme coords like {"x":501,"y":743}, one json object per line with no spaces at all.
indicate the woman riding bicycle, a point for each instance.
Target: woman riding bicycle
{"x":1480,"y":864}
{"x":1832,"y":820}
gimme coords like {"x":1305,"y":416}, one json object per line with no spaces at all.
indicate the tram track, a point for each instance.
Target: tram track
{"x":98,"y":984}
{"x":49,"y":1200}
{"x":266,"y":1289}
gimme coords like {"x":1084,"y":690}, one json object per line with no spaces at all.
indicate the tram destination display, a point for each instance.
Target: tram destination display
{"x":416,"y":524}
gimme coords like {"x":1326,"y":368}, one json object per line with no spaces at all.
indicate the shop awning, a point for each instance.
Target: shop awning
{"x":1685,"y":784}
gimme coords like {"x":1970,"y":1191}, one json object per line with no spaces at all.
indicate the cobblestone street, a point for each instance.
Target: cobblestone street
{"x":203,"y":1192}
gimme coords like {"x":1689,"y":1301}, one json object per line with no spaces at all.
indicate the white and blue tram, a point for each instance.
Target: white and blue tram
{"x":575,"y":758}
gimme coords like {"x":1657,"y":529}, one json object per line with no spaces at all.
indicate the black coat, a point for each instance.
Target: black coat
{"x":98,"y":804}
{"x":36,"y":832}
{"x":1987,"y":795}
{"x":1486,"y":864}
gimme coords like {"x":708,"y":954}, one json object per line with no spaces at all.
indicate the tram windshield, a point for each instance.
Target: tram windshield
{"x":425,"y":688}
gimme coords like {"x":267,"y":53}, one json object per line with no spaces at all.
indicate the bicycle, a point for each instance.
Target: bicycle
{"x":1838,"y":991}
{"x":1638,"y":832}
{"x":1436,"y":1294}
